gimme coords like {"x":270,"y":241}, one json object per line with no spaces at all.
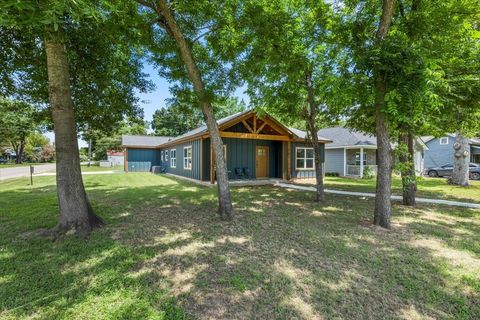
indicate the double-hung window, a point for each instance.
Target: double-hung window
{"x":187,"y":158}
{"x":357,"y":158}
{"x":304,"y":158}
{"x":173,"y":158}
{"x":444,"y":140}
{"x":161,"y":156}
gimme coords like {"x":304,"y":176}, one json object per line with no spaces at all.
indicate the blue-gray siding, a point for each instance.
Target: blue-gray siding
{"x":439,"y":154}
{"x":334,"y":161}
{"x":142,"y":159}
{"x":240,"y":154}
{"x":194,"y":173}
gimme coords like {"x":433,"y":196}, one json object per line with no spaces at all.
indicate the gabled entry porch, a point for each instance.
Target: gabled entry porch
{"x":254,"y":148}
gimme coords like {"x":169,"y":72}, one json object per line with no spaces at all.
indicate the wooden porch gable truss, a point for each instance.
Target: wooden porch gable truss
{"x":264,"y":128}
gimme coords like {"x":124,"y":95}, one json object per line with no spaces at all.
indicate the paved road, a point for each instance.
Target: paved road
{"x":9,"y":173}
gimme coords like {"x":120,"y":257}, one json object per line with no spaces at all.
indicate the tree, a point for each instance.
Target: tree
{"x":17,"y":122}
{"x":179,"y":117}
{"x":102,"y":142}
{"x":285,"y":52}
{"x":96,"y":44}
{"x":171,"y":20}
{"x":175,"y":120}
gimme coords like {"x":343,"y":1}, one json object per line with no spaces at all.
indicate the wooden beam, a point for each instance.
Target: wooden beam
{"x":234,"y":121}
{"x":247,"y":126}
{"x":212,"y":166}
{"x":125,"y":160}
{"x":254,"y":122}
{"x":283,"y":160}
{"x":255,"y":136}
{"x":289,"y":165}
{"x":261,"y":127}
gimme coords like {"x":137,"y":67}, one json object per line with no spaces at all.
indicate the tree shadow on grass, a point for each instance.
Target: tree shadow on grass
{"x":284,"y":256}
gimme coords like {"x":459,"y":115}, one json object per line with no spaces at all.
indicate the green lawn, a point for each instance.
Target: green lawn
{"x":165,"y":255}
{"x":427,"y":187}
{"x":86,"y":168}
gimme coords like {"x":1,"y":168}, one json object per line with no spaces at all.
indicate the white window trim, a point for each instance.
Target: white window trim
{"x":161,"y":156}
{"x":185,"y":158}
{"x":365,"y":161}
{"x":173,"y":159}
{"x":442,"y":139}
{"x":305,"y":163}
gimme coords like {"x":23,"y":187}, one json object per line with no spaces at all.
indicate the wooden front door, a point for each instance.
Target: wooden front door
{"x":261,"y":162}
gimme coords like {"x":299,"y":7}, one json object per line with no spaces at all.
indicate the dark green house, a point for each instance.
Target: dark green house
{"x":255,"y":148}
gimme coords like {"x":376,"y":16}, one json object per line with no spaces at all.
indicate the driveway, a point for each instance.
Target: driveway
{"x":17,"y":172}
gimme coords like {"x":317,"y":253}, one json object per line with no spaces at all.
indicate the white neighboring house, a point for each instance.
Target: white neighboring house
{"x":352,"y":151}
{"x":116,"y":158}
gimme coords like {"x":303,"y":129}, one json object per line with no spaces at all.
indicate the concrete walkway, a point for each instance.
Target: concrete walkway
{"x":372,"y":195}
{"x":18,"y":172}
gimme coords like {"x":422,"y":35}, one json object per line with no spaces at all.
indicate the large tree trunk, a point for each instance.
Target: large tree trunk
{"x":312,"y":127}
{"x":225,"y":208}
{"x":21,"y":149}
{"x":76,"y":214}
{"x":383,"y":206}
{"x":461,"y":161}
{"x":409,"y":186}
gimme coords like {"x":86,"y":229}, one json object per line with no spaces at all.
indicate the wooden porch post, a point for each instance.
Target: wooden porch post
{"x":125,"y":160}
{"x":361,"y":162}
{"x":212,"y":165}
{"x":288,"y":160}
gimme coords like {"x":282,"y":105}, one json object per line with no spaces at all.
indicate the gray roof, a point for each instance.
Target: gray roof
{"x":427,"y":139}
{"x":144,"y":141}
{"x":342,"y":136}
{"x":303,"y":135}
{"x":155,"y":141}
{"x":203,"y":128}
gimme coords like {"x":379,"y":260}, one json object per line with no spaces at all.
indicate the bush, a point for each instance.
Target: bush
{"x":332,"y":174}
{"x":368,"y":173}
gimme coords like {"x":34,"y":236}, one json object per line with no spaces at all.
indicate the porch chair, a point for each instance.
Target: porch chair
{"x":247,"y":173}
{"x":239,"y":173}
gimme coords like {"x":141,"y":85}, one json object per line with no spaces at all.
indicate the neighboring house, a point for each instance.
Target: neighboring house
{"x":255,"y":148}
{"x":352,"y":151}
{"x":440,"y":150}
{"x":116,"y":158}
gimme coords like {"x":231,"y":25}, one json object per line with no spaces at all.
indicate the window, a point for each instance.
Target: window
{"x":166,"y":155}
{"x":173,"y":158}
{"x":304,"y":158}
{"x":357,"y":158}
{"x":161,"y":156}
{"x":187,"y":158}
{"x":444,"y":140}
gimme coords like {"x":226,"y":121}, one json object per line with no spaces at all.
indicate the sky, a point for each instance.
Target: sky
{"x":155,"y":99}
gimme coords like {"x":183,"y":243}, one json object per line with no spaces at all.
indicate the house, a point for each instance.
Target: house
{"x":351,"y":152}
{"x":116,"y":158}
{"x":256,"y":147}
{"x":440,"y":150}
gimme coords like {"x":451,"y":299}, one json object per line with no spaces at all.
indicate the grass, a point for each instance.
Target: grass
{"x":165,"y":255}
{"x":427,"y":187}
{"x":92,"y":168}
